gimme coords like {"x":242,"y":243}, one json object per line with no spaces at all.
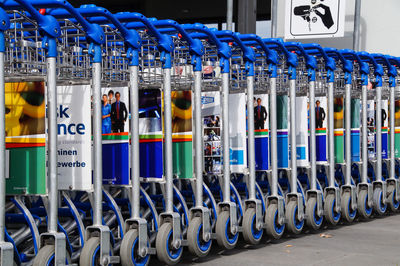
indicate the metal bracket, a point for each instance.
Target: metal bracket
{"x":318,"y":195}
{"x":232,"y":214}
{"x":256,"y":203}
{"x":6,"y":253}
{"x":175,"y":219}
{"x":205,"y":220}
{"x":300,"y":205}
{"x":336,"y":194}
{"x":60,"y":248}
{"x":383,"y":185}
{"x":140,"y":225}
{"x":353,"y":194}
{"x":104,"y":233}
{"x":281,"y":207}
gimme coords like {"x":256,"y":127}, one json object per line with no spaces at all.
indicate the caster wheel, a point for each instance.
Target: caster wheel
{"x":313,"y":221}
{"x":274,"y":230}
{"x":362,"y":205}
{"x":347,"y":213}
{"x":129,"y":250}
{"x":329,"y":208}
{"x":379,"y":206}
{"x":45,"y":256}
{"x":393,"y":204}
{"x":250,"y":233}
{"x":90,"y":255}
{"x":225,"y":238}
{"x":165,"y":251}
{"x":196,"y":243}
{"x":294,"y":225}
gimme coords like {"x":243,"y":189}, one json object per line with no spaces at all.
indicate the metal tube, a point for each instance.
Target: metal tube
{"x":168,"y":141}
{"x":135,"y":153}
{"x":229,"y":14}
{"x":392,"y":132}
{"x":97,"y":145}
{"x":225,"y":137}
{"x":313,"y":144}
{"x":250,"y":134}
{"x":293,"y":148}
{"x":198,"y":138}
{"x":274,"y":18}
{"x":273,"y":136}
{"x":331,"y":135}
{"x":356,"y":31}
{"x":2,"y":151}
{"x":348,"y":133}
{"x":378,"y":126}
{"x":364,"y":149}
{"x":52,"y":144}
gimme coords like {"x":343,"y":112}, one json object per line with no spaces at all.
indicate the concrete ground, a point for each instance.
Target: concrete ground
{"x":374,"y":242}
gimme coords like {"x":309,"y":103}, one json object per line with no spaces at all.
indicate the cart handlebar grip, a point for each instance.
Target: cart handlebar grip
{"x":378,"y":69}
{"x":48,"y":25}
{"x":248,"y":53}
{"x":316,"y":49}
{"x":131,"y":38}
{"x":311,"y":62}
{"x":395,"y":61}
{"x":93,"y":32}
{"x":291,"y":59}
{"x":195,"y":46}
{"x":382,"y":59}
{"x":164,"y":42}
{"x":364,"y":68}
{"x":347,"y":65}
{"x":272,"y":56}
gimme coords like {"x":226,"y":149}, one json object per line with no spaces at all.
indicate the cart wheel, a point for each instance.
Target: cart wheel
{"x":347,"y":212}
{"x":393,"y":204}
{"x":165,"y":251}
{"x":294,"y":225}
{"x":90,"y":255}
{"x":45,"y":256}
{"x":329,"y":208}
{"x":379,"y":206}
{"x":129,"y":250}
{"x":313,"y":220}
{"x":196,"y":243}
{"x":225,"y":238}
{"x":274,"y":230}
{"x":250,"y":233}
{"x":362,"y":204}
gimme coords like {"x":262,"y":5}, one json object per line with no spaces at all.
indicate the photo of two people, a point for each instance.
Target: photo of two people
{"x":114,"y":113}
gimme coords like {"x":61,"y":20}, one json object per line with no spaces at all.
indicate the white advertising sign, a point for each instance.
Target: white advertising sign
{"x":237,"y":132}
{"x":305,"y":19}
{"x":301,"y":132}
{"x":74,"y":137}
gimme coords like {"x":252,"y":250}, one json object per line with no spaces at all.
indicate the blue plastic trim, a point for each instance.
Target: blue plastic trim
{"x":291,"y":58}
{"x":95,"y":52}
{"x":50,"y":45}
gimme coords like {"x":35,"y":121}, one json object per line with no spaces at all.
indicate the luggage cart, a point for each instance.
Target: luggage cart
{"x":6,"y":248}
{"x":343,"y":173}
{"x":52,"y":243}
{"x":378,"y":184}
{"x":294,"y":196}
{"x":325,"y":75}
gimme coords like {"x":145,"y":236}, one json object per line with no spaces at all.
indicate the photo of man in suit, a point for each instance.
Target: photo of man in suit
{"x":260,"y":115}
{"x":319,"y":115}
{"x":119,"y":114}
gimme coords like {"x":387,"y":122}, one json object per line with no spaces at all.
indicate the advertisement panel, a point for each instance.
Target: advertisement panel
{"x":261,"y":131}
{"x":320,"y":128}
{"x":339,"y":129}
{"x":237,"y":132}
{"x":302,"y":132}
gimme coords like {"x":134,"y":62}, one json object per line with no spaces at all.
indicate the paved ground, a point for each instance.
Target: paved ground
{"x":375,"y":242}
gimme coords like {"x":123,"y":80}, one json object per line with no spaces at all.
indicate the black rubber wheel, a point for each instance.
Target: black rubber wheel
{"x":329,"y":208}
{"x":293,"y":223}
{"x":392,"y":202}
{"x":347,"y":212}
{"x":379,"y":206}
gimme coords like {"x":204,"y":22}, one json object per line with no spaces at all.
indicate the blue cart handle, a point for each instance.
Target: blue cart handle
{"x":317,"y":50}
{"x":382,"y":59}
{"x":352,"y":55}
{"x":253,"y":39}
{"x":311,"y":62}
{"x":347,"y":65}
{"x":4,"y":25}
{"x":366,"y":57}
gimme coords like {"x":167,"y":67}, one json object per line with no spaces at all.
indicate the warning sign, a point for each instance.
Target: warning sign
{"x":314,"y":19}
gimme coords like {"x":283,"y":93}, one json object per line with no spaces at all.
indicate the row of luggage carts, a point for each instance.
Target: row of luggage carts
{"x":124,"y":137}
